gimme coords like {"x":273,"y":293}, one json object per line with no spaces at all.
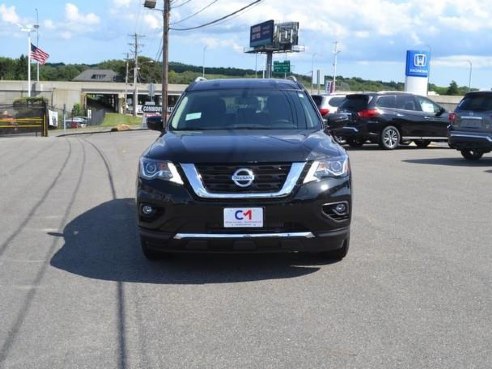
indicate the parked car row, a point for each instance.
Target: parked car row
{"x":388,"y":119}
{"x":228,"y":172}
{"x":391,"y":119}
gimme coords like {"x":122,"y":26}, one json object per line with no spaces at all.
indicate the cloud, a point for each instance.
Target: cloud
{"x":9,"y":15}
{"x":49,"y":24}
{"x":152,"y":21}
{"x":122,"y":3}
{"x":74,"y":23}
{"x":463,"y":60}
{"x":74,"y":16}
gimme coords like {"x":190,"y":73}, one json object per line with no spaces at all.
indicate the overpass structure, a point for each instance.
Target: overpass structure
{"x":64,"y":95}
{"x":117,"y":96}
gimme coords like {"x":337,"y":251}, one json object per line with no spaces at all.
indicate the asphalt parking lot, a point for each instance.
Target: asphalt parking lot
{"x":415,"y":290}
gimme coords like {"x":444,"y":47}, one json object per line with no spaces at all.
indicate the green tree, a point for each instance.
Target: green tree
{"x":453,"y":89}
{"x":77,"y":110}
{"x":8,"y":68}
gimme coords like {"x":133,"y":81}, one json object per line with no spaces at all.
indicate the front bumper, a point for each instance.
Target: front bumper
{"x":246,"y":242}
{"x":300,"y":222}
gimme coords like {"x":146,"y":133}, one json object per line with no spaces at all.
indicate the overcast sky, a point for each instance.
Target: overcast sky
{"x":373,"y":35}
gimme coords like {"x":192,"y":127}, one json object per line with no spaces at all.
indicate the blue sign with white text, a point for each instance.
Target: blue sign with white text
{"x":418,"y":63}
{"x":261,"y":34}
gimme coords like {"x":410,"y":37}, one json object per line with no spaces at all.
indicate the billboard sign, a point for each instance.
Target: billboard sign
{"x":418,"y":63}
{"x":261,"y":34}
{"x":287,"y":33}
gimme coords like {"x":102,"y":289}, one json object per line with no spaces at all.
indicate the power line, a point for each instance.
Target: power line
{"x":180,"y":5}
{"x":217,"y":20}
{"x":196,"y":13}
{"x":240,"y":14}
{"x":159,"y":51}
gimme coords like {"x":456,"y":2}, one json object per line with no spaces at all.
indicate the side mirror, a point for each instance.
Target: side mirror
{"x":155,"y":123}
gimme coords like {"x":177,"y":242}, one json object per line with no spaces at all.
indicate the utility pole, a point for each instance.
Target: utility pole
{"x":165,"y":57}
{"x":126,"y":84}
{"x":135,"y":73}
{"x":165,"y":50}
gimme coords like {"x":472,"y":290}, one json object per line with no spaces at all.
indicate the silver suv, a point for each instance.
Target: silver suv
{"x":470,"y":130}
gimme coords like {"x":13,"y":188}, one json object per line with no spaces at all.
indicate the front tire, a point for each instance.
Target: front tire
{"x":470,"y":154}
{"x":389,"y":138}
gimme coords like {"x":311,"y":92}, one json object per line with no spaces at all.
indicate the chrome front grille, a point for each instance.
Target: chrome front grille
{"x":270,"y":180}
{"x":268,"y":177}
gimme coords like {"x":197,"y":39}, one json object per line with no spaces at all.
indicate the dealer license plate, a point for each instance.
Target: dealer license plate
{"x":471,"y":123}
{"x":243,"y":217}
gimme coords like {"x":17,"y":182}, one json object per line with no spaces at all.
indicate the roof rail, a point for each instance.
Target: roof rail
{"x":294,"y":79}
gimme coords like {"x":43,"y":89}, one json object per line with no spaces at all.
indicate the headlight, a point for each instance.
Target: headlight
{"x":333,"y":167}
{"x":165,"y":170}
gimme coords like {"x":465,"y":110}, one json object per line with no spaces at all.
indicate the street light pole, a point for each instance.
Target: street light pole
{"x":29,"y":63}
{"x":312,"y":71}
{"x":36,"y":26}
{"x":28,"y":29}
{"x":335,"y":56}
{"x":203,"y":61}
{"x":470,"y":75}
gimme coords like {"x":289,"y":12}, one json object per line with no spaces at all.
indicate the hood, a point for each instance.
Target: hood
{"x":249,"y":146}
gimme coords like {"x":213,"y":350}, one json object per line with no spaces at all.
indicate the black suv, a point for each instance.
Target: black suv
{"x":470,"y":130}
{"x":389,"y":119}
{"x":244,"y":165}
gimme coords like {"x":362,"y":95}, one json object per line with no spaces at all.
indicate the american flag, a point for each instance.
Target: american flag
{"x":38,"y":54}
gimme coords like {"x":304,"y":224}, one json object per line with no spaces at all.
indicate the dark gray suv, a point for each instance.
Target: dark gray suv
{"x":470,"y":130}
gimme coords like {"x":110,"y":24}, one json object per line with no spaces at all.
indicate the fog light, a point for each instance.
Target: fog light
{"x":338,"y":211}
{"x":341,"y":208}
{"x":147,"y":210}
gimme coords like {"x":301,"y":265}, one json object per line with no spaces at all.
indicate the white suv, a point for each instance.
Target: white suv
{"x":328,"y":103}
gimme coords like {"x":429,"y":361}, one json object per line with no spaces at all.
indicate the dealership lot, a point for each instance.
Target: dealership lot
{"x":415,"y":290}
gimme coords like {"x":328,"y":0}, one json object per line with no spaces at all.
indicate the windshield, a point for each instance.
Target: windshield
{"x":245,"y":109}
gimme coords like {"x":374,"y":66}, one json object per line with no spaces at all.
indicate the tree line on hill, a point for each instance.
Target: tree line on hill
{"x":150,"y":71}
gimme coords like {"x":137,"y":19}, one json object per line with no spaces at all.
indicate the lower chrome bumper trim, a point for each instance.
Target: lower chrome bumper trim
{"x":181,"y":236}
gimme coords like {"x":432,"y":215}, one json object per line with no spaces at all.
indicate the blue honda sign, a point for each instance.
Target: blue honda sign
{"x":418,"y":63}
